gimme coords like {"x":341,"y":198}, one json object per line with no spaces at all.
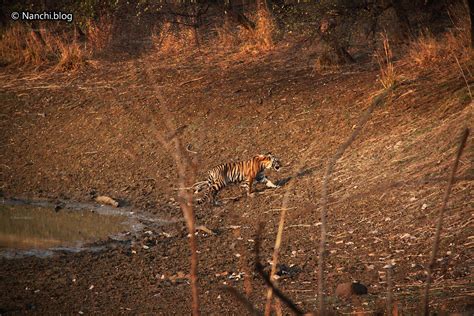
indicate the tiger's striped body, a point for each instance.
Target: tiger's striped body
{"x":236,"y":172}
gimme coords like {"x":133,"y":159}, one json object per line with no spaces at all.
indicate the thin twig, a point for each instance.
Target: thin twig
{"x":439,"y":224}
{"x":389,"y":268}
{"x":242,"y":299}
{"x":324,"y":196}
{"x":465,"y":80}
{"x":186,"y":171}
{"x":189,"y":81}
{"x":259,"y":268}
{"x":276,"y":251}
{"x":384,"y":187}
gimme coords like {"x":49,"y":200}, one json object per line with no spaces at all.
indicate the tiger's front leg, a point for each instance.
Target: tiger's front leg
{"x":268,"y":183}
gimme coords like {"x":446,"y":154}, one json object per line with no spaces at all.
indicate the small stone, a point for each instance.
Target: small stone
{"x":359,"y":288}
{"x":398,"y":144}
{"x":106,"y":200}
{"x":344,"y":290}
{"x":348,"y":289}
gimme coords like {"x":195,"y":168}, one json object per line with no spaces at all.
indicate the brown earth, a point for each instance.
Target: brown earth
{"x":67,"y":135}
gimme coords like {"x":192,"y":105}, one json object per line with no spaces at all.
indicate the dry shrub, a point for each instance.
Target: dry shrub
{"x":259,"y":39}
{"x":174,"y":38}
{"x":384,"y":58}
{"x":71,"y":56}
{"x":326,"y":62}
{"x":99,"y":33}
{"x":225,"y":38}
{"x":428,"y":50}
{"x":22,"y":46}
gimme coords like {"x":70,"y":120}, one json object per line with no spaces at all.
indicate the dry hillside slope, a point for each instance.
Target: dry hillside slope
{"x":65,"y":136}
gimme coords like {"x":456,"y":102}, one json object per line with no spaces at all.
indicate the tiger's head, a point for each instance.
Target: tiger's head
{"x":269,"y":161}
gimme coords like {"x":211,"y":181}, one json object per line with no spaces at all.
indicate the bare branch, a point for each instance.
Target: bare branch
{"x":259,"y":268}
{"x":439,"y":224}
{"x":324,"y":196}
{"x":186,"y":173}
{"x":242,"y":299}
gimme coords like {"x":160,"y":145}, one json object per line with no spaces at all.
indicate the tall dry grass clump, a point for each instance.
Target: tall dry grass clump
{"x":259,"y":39}
{"x":384,"y":58}
{"x":99,"y":33}
{"x":225,"y":38}
{"x":22,"y":46}
{"x":71,"y":56}
{"x":428,"y":50}
{"x":174,"y":38}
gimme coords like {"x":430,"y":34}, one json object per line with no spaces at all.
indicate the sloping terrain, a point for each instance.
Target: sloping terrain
{"x":70,"y":136}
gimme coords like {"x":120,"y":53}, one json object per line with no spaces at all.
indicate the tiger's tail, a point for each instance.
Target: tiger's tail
{"x":199,"y":186}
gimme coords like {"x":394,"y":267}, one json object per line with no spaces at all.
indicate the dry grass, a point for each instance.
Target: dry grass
{"x":385,"y":60}
{"x":22,"y":46}
{"x":174,"y":38}
{"x":225,"y":38}
{"x":99,"y":33}
{"x":261,"y":38}
{"x":229,"y":38}
{"x":71,"y":56}
{"x":427,"y":50}
{"x":45,"y":47}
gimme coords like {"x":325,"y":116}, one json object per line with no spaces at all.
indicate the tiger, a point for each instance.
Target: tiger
{"x":236,"y":172}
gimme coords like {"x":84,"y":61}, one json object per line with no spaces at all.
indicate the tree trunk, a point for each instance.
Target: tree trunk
{"x":235,"y":11}
{"x":405,"y":26}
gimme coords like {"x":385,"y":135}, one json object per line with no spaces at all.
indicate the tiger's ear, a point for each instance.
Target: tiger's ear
{"x":261,"y":156}
{"x":268,"y":154}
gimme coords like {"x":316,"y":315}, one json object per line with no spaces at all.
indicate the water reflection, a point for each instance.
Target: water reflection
{"x":27,"y":227}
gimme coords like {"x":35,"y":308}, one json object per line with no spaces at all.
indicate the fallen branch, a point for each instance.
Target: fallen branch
{"x":439,"y":224}
{"x":189,"y":81}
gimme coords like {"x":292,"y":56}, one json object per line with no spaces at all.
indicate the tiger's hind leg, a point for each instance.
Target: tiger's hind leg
{"x":211,"y":197}
{"x":249,"y":187}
